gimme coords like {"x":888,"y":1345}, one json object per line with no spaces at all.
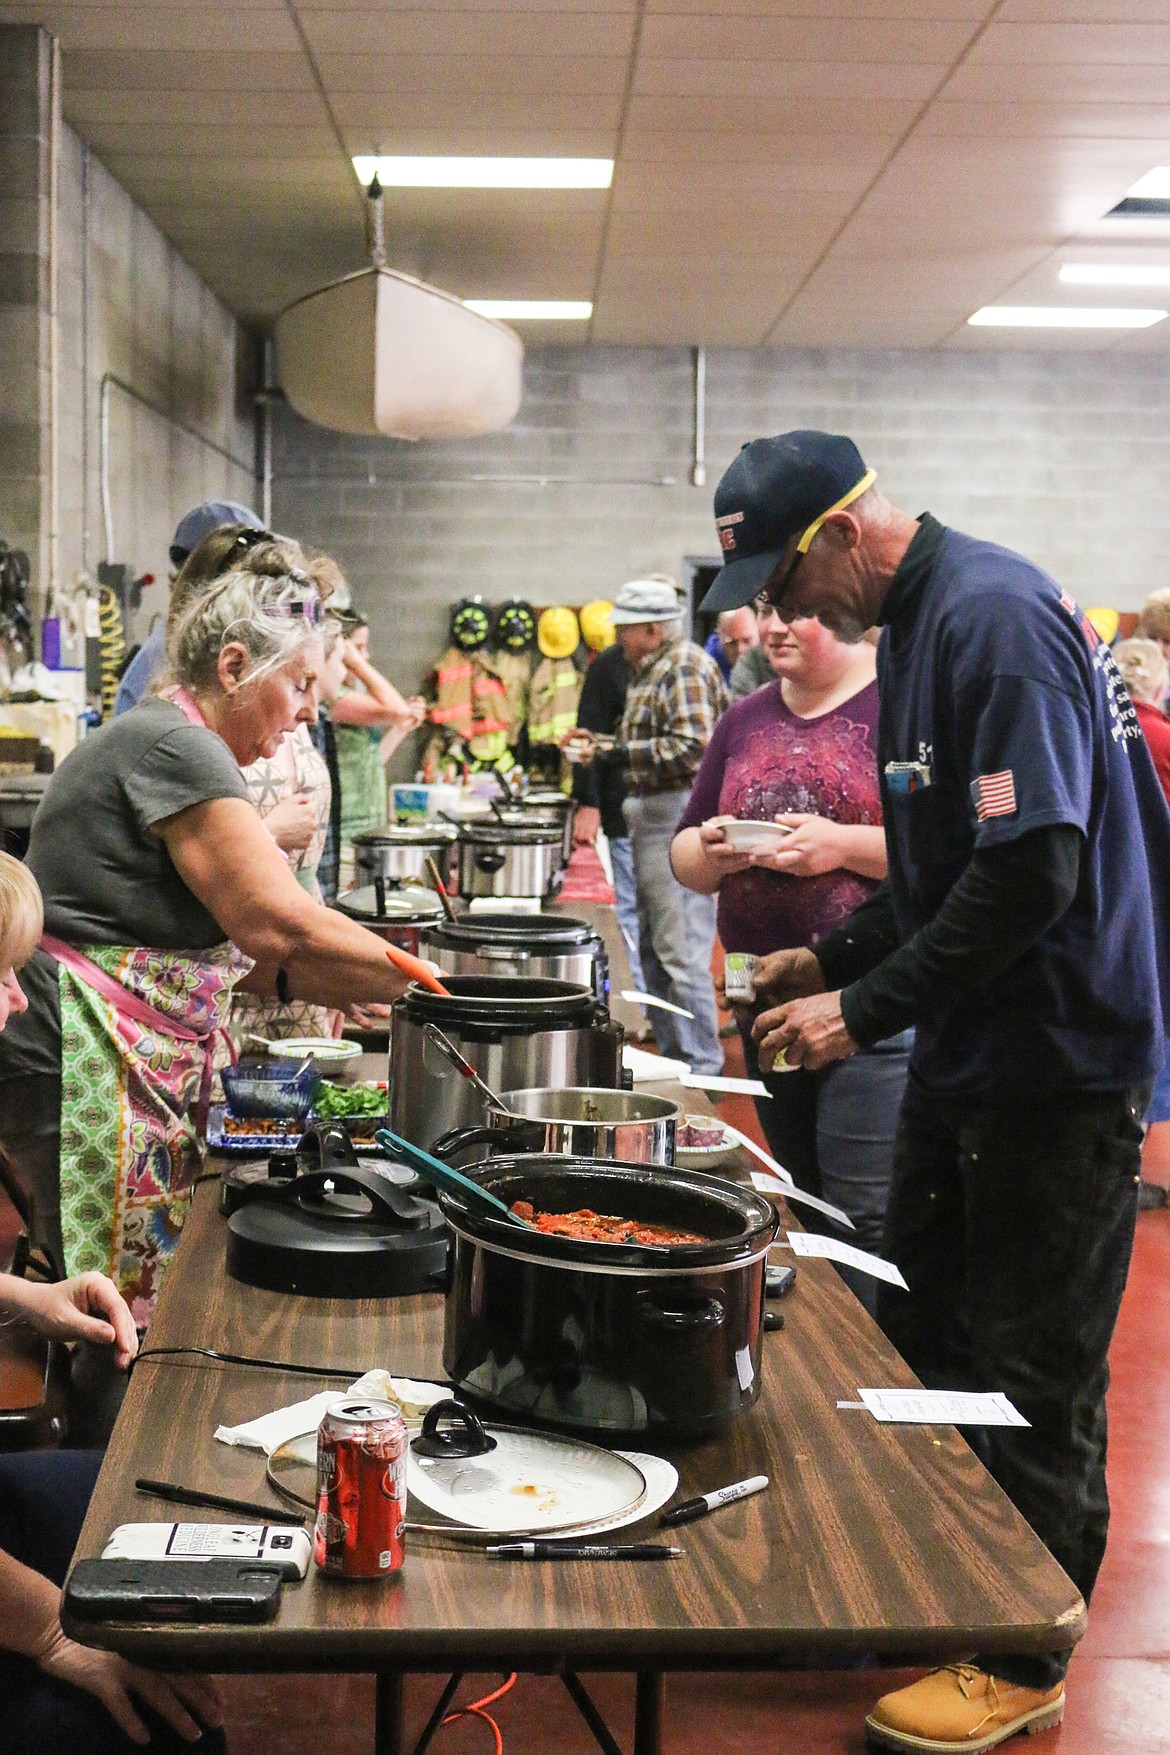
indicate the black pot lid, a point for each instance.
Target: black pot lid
{"x":739,"y":1223}
{"x":409,"y":906}
{"x":530,"y":932}
{"x":408,"y":835}
{"x":519,"y":1003}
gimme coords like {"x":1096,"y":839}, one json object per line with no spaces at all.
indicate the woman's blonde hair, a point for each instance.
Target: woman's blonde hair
{"x":1154,"y":621}
{"x":1143,"y":665}
{"x":22,"y":915}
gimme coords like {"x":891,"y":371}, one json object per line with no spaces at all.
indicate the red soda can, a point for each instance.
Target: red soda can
{"x":361,"y":1490}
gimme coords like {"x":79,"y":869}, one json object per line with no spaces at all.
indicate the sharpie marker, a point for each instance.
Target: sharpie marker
{"x":582,"y":1551}
{"x":693,"y":1508}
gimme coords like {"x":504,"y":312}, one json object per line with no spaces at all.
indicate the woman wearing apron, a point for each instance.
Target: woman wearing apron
{"x":163,"y":892}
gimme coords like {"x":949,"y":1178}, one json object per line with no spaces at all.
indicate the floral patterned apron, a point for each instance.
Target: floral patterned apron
{"x":138,"y":1029}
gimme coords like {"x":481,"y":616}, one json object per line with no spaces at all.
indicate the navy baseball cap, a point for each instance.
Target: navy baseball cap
{"x":777,"y":489}
{"x":211,"y":515}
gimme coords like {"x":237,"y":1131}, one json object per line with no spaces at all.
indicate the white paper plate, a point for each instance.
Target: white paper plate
{"x":528,"y":1483}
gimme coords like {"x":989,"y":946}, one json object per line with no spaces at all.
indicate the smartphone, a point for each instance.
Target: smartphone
{"x":172,"y":1590}
{"x":275,"y":1544}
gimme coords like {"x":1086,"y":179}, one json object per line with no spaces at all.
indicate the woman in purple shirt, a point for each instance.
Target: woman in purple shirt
{"x":801,"y":751}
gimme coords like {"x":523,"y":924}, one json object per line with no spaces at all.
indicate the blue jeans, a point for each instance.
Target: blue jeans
{"x":833,"y":1131}
{"x":621,"y":858}
{"x":676,"y":936}
{"x":1014,"y":1229}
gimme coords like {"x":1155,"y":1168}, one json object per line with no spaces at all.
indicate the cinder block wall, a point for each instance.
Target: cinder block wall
{"x":130,"y":307}
{"x":1065,"y":457}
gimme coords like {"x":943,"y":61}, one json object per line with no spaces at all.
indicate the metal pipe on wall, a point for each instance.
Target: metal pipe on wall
{"x":699,"y":464}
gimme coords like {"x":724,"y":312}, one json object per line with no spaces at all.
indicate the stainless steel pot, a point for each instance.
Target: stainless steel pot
{"x":517,"y":1034}
{"x":497,"y":859}
{"x":628,"y":1125}
{"x":555,"y":946}
{"x":400,"y":851}
{"x":605,"y":1337}
{"x":399,"y":915}
{"x":543,"y":808}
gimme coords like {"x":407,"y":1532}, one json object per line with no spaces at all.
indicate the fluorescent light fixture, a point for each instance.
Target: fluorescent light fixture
{"x":1063,"y":317}
{"x":486,"y":173}
{"x":1154,"y":186}
{"x":1115,"y":274}
{"x":534,"y":310}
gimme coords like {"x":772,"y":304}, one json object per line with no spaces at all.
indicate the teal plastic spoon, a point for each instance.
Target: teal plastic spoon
{"x":441,"y":1175}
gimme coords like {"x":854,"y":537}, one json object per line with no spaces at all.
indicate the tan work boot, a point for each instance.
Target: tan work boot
{"x":962,"y":1708}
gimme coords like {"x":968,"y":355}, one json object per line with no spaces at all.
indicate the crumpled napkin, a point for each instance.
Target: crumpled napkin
{"x":268,"y":1431}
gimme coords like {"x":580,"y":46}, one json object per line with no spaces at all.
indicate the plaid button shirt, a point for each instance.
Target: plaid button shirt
{"x":673,"y":702}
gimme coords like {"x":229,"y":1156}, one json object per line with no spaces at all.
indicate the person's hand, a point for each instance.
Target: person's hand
{"x":718,"y":849}
{"x":369,"y":1015}
{"x":416,"y":709}
{"x":578,"y":746}
{"x":89,"y":1307}
{"x":791,"y":974}
{"x":806,"y":1032}
{"x":814,"y":846}
{"x":586,"y":825}
{"x":116,"y":1682}
{"x":292,"y":823}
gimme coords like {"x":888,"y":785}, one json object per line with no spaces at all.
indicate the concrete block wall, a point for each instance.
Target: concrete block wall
{"x":129,"y":307}
{"x":24,"y":287}
{"x":1063,"y":456}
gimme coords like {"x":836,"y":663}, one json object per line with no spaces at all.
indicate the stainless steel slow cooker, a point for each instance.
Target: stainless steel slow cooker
{"x":515,"y":1033}
{"x":399,"y":915}
{"x":543,"y":807}
{"x":399,"y":852}
{"x":551,"y":945}
{"x":626,"y":1340}
{"x":632,"y":1126}
{"x":505,"y":859}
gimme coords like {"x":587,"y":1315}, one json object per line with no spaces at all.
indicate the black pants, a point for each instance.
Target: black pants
{"x":43,"y":1500}
{"x":1014,"y":1231}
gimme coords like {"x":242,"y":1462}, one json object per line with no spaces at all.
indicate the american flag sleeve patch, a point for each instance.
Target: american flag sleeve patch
{"x":994,"y":795}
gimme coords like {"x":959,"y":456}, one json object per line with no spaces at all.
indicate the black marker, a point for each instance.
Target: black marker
{"x":693,"y":1508}
{"x":582,"y":1551}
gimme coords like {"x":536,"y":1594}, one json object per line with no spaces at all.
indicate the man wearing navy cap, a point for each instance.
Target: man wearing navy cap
{"x":189,"y":533}
{"x":1016,"y":932}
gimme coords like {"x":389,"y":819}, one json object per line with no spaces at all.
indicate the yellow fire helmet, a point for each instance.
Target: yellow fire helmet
{"x":558,"y":632}
{"x":1105,"y":620}
{"x":596,"y":625}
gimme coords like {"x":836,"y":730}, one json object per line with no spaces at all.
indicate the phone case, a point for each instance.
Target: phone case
{"x":270,"y":1544}
{"x":172,"y":1590}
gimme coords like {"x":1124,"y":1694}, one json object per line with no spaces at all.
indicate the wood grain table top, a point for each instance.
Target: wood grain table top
{"x":871,"y":1538}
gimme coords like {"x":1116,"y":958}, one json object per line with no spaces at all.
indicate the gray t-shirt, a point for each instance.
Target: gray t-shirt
{"x":105,"y":874}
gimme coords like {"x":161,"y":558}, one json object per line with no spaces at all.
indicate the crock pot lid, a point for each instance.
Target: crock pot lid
{"x":408,"y":906}
{"x":408,"y":835}
{"x":525,"y":931}
{"x":497,"y":834}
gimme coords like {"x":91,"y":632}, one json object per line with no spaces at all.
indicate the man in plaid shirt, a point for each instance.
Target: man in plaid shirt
{"x":676,"y":694}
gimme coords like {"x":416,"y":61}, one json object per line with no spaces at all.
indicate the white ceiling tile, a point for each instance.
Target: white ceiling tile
{"x":750,"y":81}
{"x":456,"y":32}
{"x":450,"y":76}
{"x":161,"y":70}
{"x":1038,"y":120}
{"x":143,"y":26}
{"x":506,"y":110}
{"x":970,"y":11}
{"x":727,"y":184}
{"x":1066,"y":82}
{"x":815,"y":112}
{"x":1060,"y":44}
{"x":852,"y":38}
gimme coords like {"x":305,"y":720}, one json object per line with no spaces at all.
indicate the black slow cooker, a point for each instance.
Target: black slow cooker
{"x":620,"y":1340}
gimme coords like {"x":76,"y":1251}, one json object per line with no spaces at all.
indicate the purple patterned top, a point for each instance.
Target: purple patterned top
{"x":764,"y":759}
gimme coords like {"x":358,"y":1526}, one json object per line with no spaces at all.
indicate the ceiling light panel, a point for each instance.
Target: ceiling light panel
{"x":1115,"y":274}
{"x":1063,"y":317}
{"x":1154,"y":186}
{"x":486,"y":173}
{"x":533,"y":310}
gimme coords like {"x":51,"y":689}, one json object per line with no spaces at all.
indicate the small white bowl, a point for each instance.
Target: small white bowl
{"x":753,"y":837}
{"x":705,"y":1157}
{"x":333,"y":1050}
